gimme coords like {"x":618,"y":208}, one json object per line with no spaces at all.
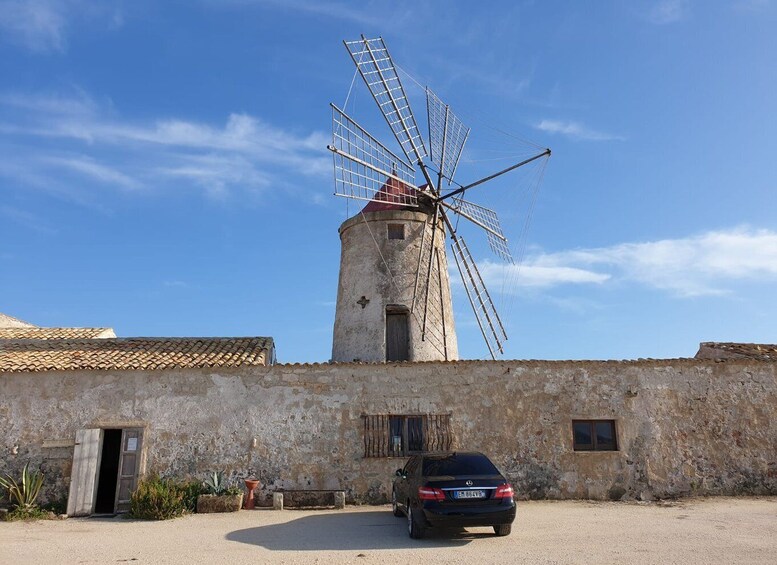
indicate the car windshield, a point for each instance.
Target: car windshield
{"x":458,"y":464}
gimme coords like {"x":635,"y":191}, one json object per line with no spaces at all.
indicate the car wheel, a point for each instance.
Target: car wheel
{"x":415,"y":529}
{"x":503,"y":530}
{"x":394,"y":506}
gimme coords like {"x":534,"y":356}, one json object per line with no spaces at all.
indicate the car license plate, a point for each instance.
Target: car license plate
{"x":459,"y":494}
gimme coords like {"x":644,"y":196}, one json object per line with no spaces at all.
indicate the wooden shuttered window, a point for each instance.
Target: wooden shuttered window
{"x":394,"y":435}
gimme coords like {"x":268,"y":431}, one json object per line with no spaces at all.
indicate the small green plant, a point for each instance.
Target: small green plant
{"x":158,"y":499}
{"x":232,"y":491}
{"x":215,"y":483}
{"x":24,"y":493}
{"x":191,"y":490}
{"x":27,"y":514}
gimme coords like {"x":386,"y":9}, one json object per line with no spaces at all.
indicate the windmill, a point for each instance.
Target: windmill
{"x":365,"y":169}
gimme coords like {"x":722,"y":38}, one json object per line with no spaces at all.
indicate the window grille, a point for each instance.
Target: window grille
{"x":399,"y":435}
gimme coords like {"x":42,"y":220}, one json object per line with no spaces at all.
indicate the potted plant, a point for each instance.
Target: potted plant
{"x":219,"y":496}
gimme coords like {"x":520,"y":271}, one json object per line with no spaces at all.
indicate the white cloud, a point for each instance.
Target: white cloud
{"x":538,"y":275}
{"x":76,"y":104}
{"x":668,"y":11}
{"x":706,"y":264}
{"x":575,"y":130}
{"x":244,"y":153}
{"x":42,"y":26}
{"x":242,"y":133}
{"x":216,"y":172}
{"x":89,"y":167}
{"x":38,"y":25}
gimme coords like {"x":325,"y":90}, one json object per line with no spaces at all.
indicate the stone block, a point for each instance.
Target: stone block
{"x":277,"y":501}
{"x":208,"y":503}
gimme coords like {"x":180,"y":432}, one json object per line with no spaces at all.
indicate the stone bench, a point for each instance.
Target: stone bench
{"x":308,"y":498}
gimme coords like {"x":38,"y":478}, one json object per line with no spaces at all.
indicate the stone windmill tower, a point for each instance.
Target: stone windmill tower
{"x":394,"y":297}
{"x":385,"y":250}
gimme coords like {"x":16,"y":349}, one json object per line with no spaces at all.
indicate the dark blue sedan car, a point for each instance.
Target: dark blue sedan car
{"x":456,"y":489}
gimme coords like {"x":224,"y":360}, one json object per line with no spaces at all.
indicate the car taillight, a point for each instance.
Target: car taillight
{"x":504,"y":491}
{"x":430,"y":493}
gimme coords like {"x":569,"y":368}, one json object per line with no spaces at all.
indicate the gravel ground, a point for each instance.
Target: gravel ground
{"x":703,"y":531}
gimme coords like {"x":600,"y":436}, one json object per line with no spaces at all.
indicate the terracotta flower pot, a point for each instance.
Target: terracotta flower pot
{"x":251,"y":485}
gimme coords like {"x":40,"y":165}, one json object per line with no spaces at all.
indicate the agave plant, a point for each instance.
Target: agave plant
{"x":215,"y":483}
{"x":24,"y":493}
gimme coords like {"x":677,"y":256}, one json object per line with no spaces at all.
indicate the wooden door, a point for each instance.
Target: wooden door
{"x":83,"y":476}
{"x":397,"y":342}
{"x":129,"y":463}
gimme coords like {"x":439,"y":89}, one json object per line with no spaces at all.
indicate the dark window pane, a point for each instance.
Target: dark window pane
{"x":458,"y":464}
{"x":395,"y":441}
{"x":582,"y":432}
{"x":415,"y":433}
{"x":605,"y":435}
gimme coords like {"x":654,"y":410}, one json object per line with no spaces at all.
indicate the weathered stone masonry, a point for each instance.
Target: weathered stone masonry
{"x":684,"y":426}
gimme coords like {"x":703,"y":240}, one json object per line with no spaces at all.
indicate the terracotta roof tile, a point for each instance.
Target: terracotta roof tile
{"x":55,"y":333}
{"x":133,"y":354}
{"x":721,"y":350}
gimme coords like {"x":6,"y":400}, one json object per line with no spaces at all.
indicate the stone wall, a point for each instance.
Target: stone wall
{"x":684,"y":426}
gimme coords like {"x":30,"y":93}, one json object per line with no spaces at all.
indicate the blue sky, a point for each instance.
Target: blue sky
{"x":163,"y":168}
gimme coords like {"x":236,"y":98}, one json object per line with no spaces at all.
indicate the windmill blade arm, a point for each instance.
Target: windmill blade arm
{"x":485,"y":313}
{"x":358,"y":161}
{"x":375,"y":66}
{"x":428,"y":179}
{"x":350,"y":137}
{"x":365,"y":169}
{"x":447,"y":136}
{"x":496,"y":231}
{"x":458,"y":191}
{"x":486,"y":219}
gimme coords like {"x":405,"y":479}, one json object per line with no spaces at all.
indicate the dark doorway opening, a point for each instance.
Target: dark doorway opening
{"x":109,"y":472}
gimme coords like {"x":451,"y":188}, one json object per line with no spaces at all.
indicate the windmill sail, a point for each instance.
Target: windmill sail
{"x":374,"y":63}
{"x":485,"y":312}
{"x":428,"y":298}
{"x":447,"y":135}
{"x":486,"y":219}
{"x":365,"y":169}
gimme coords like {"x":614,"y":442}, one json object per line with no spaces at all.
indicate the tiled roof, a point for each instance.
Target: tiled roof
{"x":55,"y":333}
{"x":134,"y":354}
{"x":716,"y":350}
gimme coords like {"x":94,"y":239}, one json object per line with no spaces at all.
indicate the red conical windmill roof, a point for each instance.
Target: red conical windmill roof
{"x":393,"y":195}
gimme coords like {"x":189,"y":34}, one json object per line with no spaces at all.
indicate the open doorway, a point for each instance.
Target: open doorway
{"x":106,"y":465}
{"x":105,"y":503}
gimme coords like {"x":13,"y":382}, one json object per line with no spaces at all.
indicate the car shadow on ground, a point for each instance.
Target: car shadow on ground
{"x":350,"y":531}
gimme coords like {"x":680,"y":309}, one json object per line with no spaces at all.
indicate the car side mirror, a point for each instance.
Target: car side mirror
{"x":398,"y":473}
